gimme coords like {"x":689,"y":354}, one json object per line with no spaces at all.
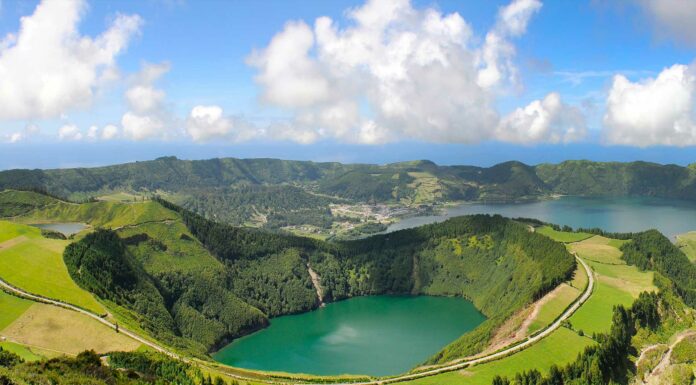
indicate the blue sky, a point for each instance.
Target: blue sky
{"x":202,"y":79}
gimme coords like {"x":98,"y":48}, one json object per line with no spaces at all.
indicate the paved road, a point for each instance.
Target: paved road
{"x":455,"y":365}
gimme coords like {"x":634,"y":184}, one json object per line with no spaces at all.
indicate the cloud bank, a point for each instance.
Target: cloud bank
{"x":653,"y":111}
{"x":48,"y":67}
{"x":397,"y":72}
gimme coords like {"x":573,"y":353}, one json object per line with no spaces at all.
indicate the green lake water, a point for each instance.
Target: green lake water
{"x":377,"y":335}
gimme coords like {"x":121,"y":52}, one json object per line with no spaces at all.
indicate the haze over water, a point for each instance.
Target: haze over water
{"x":620,"y":214}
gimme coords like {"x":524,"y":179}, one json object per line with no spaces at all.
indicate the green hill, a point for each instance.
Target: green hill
{"x":277,"y":193}
{"x":195,"y":284}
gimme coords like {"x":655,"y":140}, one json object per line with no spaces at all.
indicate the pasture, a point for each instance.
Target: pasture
{"x":562,"y":236}
{"x":35,"y":264}
{"x":60,"y":330}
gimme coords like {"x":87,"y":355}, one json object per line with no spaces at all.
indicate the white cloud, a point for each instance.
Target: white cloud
{"x":209,"y":122}
{"x":148,"y":117}
{"x":547,"y":120}
{"x":141,"y":127}
{"x":497,"y":52}
{"x":396,"y":72}
{"x":29,"y":131}
{"x":69,"y":132}
{"x":675,"y":17}
{"x":107,"y":132}
{"x":653,"y":111}
{"x":48,"y":67}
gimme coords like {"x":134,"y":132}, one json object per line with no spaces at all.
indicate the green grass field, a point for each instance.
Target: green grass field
{"x":687,"y":243}
{"x":9,"y":230}
{"x":615,"y":283}
{"x":562,"y":236}
{"x":12,"y":307}
{"x":598,"y":249}
{"x":560,"y":348}
{"x":65,"y":331}
{"x":21,"y":350}
{"x":549,"y":311}
{"x":101,"y":214}
{"x":36,"y":265}
{"x":180,"y":254}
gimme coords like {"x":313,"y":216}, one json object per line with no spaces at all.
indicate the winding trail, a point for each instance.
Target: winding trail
{"x":452,"y":366}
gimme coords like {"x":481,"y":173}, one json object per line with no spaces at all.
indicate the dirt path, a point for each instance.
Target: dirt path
{"x":659,"y":369}
{"x":13,"y":242}
{"x":316,"y":281}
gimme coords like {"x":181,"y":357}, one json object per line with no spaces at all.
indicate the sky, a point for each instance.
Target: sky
{"x":87,"y":83}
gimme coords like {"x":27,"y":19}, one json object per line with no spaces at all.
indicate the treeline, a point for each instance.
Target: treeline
{"x":652,"y":250}
{"x":604,"y":363}
{"x":132,"y":368}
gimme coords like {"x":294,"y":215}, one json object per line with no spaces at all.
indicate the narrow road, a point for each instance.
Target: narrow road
{"x":37,"y":298}
{"x":464,"y":363}
{"x":455,"y":365}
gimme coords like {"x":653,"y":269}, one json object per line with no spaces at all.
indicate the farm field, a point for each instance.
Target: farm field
{"x":60,"y":330}
{"x":559,"y":348}
{"x":616,"y":283}
{"x":12,"y":307}
{"x":36,"y":265}
{"x":556,"y":303}
{"x":687,"y":243}
{"x":562,"y":236}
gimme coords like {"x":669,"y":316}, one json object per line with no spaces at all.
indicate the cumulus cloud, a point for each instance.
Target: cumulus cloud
{"x":107,"y":132}
{"x":653,"y":111}
{"x":148,"y":116}
{"x":29,"y":131}
{"x":675,"y":17}
{"x":209,"y":122}
{"x":546,"y":120}
{"x":69,"y":132}
{"x":48,"y":67}
{"x":395,"y":72}
{"x":497,"y":52}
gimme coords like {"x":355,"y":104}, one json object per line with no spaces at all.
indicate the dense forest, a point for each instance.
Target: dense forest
{"x":237,"y":191}
{"x":254,"y":274}
{"x":88,"y":368}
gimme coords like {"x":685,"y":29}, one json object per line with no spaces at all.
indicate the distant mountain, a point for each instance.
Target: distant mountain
{"x":276,"y":187}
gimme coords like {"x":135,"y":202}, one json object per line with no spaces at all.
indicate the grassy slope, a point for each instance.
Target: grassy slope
{"x":614,"y":284}
{"x":35,"y":264}
{"x":687,"y":243}
{"x":22,"y":351}
{"x":562,"y":236}
{"x":12,"y":308}
{"x":53,"y":328}
{"x":560,"y":300}
{"x":561,"y":347}
{"x":102,"y":214}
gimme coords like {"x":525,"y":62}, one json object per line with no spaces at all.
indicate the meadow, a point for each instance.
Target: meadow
{"x":36,"y":265}
{"x":562,"y":236}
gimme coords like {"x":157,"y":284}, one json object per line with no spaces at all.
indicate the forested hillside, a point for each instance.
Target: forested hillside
{"x":281,"y":192}
{"x":195,"y":283}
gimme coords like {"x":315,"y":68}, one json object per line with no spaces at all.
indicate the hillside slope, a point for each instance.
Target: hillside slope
{"x":195,"y":284}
